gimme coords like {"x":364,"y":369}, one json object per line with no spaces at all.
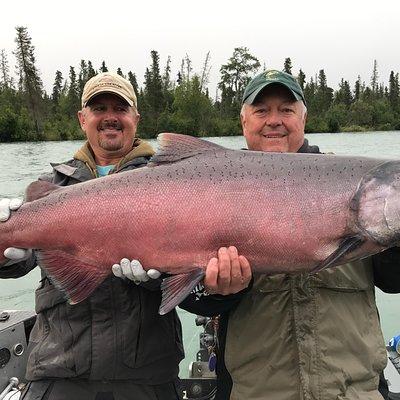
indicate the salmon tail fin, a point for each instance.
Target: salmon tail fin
{"x":174,"y":147}
{"x":177,"y":287}
{"x":77,"y":278}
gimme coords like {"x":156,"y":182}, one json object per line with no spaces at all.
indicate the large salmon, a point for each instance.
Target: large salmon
{"x":284,"y":212}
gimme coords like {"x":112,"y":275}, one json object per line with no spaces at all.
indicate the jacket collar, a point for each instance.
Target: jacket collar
{"x":306,"y":148}
{"x":140,"y":148}
{"x":83,"y":166}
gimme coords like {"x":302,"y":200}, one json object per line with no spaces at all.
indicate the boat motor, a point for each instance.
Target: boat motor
{"x":392,"y":371}
{"x":201,"y":384}
{"x":15,"y":327}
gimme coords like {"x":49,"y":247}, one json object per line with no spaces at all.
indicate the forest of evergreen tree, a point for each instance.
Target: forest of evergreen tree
{"x":181,"y":102}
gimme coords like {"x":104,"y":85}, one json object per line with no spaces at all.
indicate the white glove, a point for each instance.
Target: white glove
{"x":8,"y":205}
{"x":14,"y":254}
{"x":134,"y":271}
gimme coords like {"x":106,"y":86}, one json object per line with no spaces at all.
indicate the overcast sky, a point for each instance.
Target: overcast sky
{"x":343,"y":37}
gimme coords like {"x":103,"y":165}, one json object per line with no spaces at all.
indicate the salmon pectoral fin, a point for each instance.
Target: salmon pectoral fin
{"x":38,"y":189}
{"x":347,"y":246}
{"x":77,"y":278}
{"x":177,"y":287}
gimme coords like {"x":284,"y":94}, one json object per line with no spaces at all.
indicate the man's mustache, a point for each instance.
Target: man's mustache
{"x":110,"y":125}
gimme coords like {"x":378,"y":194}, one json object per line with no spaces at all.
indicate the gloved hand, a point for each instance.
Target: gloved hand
{"x":14,"y":254}
{"x":8,"y":205}
{"x":134,"y":271}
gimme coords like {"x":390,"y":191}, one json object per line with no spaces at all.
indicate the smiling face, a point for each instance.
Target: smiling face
{"x":274,"y":122}
{"x":110,"y":125}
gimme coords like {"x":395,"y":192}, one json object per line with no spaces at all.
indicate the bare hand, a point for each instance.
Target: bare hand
{"x":227,"y":274}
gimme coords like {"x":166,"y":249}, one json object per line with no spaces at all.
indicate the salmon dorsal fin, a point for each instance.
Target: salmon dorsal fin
{"x":38,"y":189}
{"x":174,"y":147}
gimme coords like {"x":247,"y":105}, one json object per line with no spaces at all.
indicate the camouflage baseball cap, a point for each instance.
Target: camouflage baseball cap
{"x":268,"y":77}
{"x":108,"y":82}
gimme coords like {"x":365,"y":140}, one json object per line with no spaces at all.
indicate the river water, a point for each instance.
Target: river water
{"x":21,"y":163}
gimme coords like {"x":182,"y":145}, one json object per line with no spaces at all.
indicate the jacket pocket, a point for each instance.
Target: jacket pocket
{"x":47,"y":296}
{"x":352,"y":277}
{"x":52,"y":339}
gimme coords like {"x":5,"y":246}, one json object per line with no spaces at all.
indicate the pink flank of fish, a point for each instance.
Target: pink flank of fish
{"x":286,"y":213}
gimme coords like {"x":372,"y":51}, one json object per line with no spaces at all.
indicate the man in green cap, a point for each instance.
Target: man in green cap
{"x":297,"y":337}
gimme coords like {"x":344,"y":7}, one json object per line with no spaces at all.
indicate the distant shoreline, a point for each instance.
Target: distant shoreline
{"x":203,"y":137}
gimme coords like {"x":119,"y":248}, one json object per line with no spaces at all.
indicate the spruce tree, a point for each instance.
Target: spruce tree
{"x":189,"y":68}
{"x":166,"y":78}
{"x":153,"y":101}
{"x":374,"y":79}
{"x":133,"y":81}
{"x":30,"y":83}
{"x":393,"y":92}
{"x":235,"y":75}
{"x":344,"y":95}
{"x":309,"y":92}
{"x":57,"y":88}
{"x":179,"y":78}
{"x":73,"y":93}
{"x":103,"y":67}
{"x":153,"y":89}
{"x":301,"y":78}
{"x":83,"y":76}
{"x":357,"y":89}
{"x":181,"y":73}
{"x":381,"y":91}
{"x":90,"y":70}
{"x":324,"y":94}
{"x":287,"y":67}
{"x":5,"y":80}
{"x":167,"y":88}
{"x":322,"y":83}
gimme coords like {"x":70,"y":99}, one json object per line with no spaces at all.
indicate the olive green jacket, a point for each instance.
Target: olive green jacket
{"x":303,"y":337}
{"x":307,"y":337}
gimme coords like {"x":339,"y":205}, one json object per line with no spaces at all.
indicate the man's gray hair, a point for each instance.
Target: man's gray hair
{"x":303,"y":109}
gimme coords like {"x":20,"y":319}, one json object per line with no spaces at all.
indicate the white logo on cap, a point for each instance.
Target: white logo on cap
{"x":272,"y":74}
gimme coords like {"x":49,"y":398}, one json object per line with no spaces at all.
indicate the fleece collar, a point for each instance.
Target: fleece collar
{"x":140,"y":148}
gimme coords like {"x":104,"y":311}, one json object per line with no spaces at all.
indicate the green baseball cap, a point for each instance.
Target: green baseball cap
{"x":268,"y":77}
